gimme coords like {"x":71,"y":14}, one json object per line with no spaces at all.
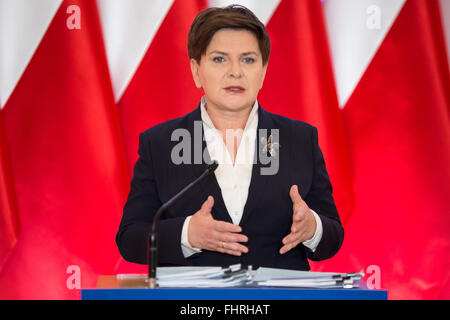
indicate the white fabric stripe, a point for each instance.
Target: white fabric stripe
{"x":129,"y":27}
{"x":445,"y":13}
{"x":262,"y":9}
{"x":356,"y":29}
{"x":23,"y":24}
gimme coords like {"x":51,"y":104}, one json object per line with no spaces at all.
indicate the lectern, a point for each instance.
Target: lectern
{"x":111,"y":288}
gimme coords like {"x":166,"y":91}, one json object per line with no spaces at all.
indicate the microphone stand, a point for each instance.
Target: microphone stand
{"x":152,"y":247}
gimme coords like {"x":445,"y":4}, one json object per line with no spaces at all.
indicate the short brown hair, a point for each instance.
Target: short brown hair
{"x":211,"y":20}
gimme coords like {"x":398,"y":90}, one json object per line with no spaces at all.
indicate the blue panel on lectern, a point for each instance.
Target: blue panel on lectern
{"x":232,"y":294}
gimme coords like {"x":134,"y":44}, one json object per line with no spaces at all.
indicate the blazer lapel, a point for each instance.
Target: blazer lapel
{"x":258,"y":181}
{"x":200,"y":158}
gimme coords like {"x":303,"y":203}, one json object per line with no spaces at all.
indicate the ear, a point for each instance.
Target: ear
{"x":195,"y":73}
{"x":263,"y":75}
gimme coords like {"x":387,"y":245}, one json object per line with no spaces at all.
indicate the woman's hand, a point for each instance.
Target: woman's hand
{"x":206,"y":233}
{"x":303,"y":222}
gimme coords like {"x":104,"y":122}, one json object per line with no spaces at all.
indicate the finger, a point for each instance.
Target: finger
{"x":288,"y":247}
{"x":290,"y":243}
{"x":234,"y":246}
{"x":284,"y":249}
{"x":207,"y":205}
{"x":230,"y":252}
{"x":232,"y":237}
{"x":291,"y":237}
{"x":231,"y":248}
{"x":295,"y":195}
{"x":295,"y":237}
{"x":223,"y":226}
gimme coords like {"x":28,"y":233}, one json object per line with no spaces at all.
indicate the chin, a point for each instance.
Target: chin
{"x":237,"y":107}
{"x":238,"y":104}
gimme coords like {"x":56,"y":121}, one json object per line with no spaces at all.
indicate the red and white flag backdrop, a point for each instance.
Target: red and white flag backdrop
{"x":80,"y":79}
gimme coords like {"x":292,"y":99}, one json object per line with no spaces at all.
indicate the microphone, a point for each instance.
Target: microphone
{"x":152,"y":247}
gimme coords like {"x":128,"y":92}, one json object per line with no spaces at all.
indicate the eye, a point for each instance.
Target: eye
{"x":218,"y":59}
{"x":249,"y":60}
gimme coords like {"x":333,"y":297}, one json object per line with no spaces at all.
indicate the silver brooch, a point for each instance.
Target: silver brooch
{"x":270,"y":146}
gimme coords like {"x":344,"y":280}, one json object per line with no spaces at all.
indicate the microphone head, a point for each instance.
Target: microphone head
{"x":212,"y":167}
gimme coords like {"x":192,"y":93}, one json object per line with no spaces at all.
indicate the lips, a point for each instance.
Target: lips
{"x":235,"y":89}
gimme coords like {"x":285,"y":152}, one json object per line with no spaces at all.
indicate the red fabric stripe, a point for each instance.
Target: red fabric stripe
{"x":9,"y":211}
{"x":399,"y":133}
{"x":162,"y":87}
{"x":299,"y":84}
{"x":67,"y":160}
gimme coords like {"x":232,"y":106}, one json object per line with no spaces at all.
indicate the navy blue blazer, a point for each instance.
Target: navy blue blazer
{"x":267,"y":216}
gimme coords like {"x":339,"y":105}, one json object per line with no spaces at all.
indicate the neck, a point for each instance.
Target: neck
{"x":228,"y":119}
{"x":231,"y":124}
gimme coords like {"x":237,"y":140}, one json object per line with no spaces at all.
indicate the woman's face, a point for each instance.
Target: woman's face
{"x":231,"y":72}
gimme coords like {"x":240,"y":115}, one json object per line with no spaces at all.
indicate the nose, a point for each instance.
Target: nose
{"x":235,"y":70}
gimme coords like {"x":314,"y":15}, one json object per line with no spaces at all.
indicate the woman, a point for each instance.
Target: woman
{"x":247,"y":212}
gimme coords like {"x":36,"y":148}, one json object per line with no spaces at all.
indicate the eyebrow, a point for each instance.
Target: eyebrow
{"x":226,"y":54}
